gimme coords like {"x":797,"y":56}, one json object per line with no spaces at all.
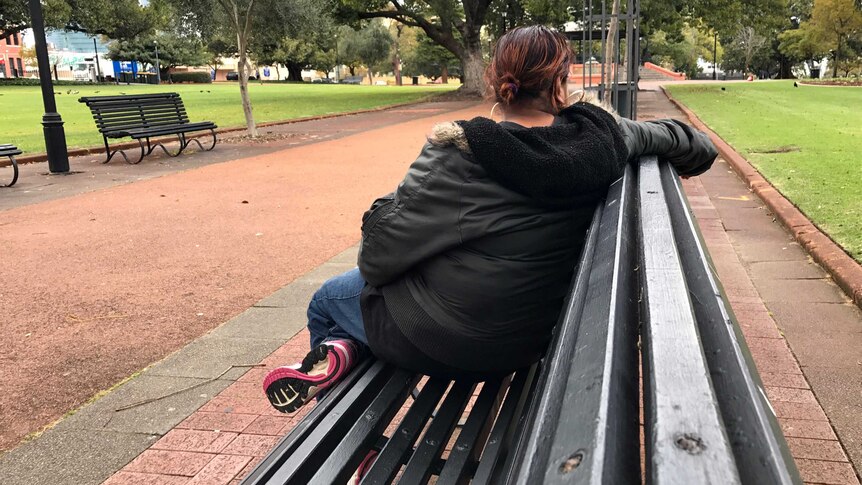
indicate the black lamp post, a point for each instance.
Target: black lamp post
{"x":55,"y":136}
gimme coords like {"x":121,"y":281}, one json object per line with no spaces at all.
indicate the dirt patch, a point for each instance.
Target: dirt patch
{"x":781,"y":149}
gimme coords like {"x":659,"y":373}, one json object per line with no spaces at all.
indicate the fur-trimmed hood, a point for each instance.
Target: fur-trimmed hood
{"x":577,"y":157}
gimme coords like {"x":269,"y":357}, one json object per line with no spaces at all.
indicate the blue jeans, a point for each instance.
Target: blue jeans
{"x":334,"y":312}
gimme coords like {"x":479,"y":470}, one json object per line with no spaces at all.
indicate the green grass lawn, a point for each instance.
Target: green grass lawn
{"x":20,"y":121}
{"x":807,"y":141}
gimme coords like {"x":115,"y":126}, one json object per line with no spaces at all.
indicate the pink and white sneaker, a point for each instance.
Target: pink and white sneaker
{"x":289,"y":388}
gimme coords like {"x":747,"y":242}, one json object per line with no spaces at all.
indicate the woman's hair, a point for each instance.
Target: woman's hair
{"x":527,"y":63}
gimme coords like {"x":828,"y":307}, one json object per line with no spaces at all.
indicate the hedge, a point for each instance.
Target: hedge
{"x":191,"y":77}
{"x":26,"y":81}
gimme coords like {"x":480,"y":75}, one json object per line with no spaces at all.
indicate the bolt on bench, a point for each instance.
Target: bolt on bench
{"x":645,"y":282}
{"x":145,"y":116}
{"x":11,"y":151}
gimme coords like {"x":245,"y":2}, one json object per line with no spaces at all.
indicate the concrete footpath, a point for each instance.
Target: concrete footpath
{"x":804,"y":336}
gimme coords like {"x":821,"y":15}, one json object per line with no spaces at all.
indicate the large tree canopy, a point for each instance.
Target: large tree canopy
{"x":117,"y":19}
{"x":455,"y":25}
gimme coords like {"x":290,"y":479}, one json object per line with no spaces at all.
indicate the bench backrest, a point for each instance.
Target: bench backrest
{"x":706,"y":418}
{"x":120,"y":113}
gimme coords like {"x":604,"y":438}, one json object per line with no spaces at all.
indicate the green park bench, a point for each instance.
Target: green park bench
{"x":11,"y":151}
{"x":644,"y":300}
{"x":142,"y":117}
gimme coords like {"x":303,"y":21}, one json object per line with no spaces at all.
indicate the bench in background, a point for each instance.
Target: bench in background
{"x":142,"y":117}
{"x":11,"y":151}
{"x":645,"y":298}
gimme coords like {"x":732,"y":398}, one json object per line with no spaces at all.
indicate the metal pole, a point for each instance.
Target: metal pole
{"x":158,"y":71}
{"x":55,"y":135}
{"x":714,"y":54}
{"x":98,"y":68}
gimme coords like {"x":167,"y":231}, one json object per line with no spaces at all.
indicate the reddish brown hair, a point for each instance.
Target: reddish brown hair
{"x":527,"y":63}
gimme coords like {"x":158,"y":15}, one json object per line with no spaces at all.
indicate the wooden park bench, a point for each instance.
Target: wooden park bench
{"x":645,"y":300}
{"x":11,"y":151}
{"x":142,"y":117}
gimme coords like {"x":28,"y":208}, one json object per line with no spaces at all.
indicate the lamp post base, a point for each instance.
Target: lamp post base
{"x":55,"y":143}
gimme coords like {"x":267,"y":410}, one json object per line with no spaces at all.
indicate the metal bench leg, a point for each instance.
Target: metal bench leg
{"x":123,"y":154}
{"x":14,"y":172}
{"x":167,"y":152}
{"x":189,"y":140}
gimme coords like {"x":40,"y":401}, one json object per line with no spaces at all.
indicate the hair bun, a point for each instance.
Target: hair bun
{"x":509,"y":87}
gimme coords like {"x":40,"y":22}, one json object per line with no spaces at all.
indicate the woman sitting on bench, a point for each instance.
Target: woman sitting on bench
{"x":464,"y":269}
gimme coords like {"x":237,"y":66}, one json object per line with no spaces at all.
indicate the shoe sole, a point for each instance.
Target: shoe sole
{"x":289,"y":389}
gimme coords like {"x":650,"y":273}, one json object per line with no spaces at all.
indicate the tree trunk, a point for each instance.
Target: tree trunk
{"x":243,"y":85}
{"x":370,"y":78}
{"x":294,"y":71}
{"x":444,"y":77}
{"x":473,"y":71}
{"x":277,"y":73}
{"x":352,"y":70}
{"x":396,"y":61}
{"x":835,"y":59}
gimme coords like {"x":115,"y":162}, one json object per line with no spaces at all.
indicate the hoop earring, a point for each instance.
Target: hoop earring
{"x":493,"y":108}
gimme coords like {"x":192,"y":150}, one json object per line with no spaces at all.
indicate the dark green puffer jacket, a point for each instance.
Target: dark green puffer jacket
{"x":474,"y":252}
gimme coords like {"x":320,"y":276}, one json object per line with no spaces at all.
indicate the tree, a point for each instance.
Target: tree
{"x":426,"y":58}
{"x":746,"y":47}
{"x":118,"y":19}
{"x":455,"y":25}
{"x":174,"y":51}
{"x":216,"y":49}
{"x":836,"y":24}
{"x":680,"y":52}
{"x":374,"y":46}
{"x":243,"y":20}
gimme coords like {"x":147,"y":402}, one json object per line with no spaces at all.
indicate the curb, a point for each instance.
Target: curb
{"x":75,"y":152}
{"x":845,"y":271}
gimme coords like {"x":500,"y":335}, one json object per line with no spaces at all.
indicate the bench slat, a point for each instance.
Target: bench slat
{"x":465,"y":452}
{"x":761,"y":451}
{"x":396,"y":450}
{"x":347,"y":456}
{"x":505,"y":428}
{"x":685,"y":437}
{"x":419,"y":467}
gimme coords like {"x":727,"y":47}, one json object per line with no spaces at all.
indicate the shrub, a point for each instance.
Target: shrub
{"x":191,"y":77}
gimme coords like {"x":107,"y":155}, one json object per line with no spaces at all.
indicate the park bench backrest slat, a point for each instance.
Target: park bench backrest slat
{"x":761,"y":453}
{"x":583,"y":426}
{"x":685,"y":437}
